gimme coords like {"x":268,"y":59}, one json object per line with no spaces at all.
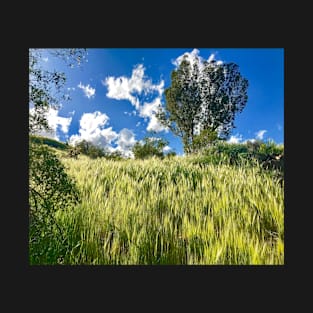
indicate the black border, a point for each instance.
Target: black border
{"x":232,"y":284}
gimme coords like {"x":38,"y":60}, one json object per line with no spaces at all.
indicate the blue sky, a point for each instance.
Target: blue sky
{"x":114,"y":95}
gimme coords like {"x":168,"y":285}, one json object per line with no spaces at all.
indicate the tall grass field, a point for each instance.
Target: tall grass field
{"x":173,"y":211}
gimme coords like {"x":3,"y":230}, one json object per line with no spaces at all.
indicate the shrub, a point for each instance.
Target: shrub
{"x":204,"y":140}
{"x":50,"y":190}
{"x":115,"y":155}
{"x":90,"y":149}
{"x":149,"y":147}
{"x":171,"y":154}
{"x":268,"y":154}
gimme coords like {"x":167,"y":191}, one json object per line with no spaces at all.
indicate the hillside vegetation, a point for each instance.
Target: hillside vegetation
{"x":200,"y":209}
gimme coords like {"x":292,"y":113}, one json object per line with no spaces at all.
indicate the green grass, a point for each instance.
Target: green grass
{"x":48,"y":141}
{"x":172,"y":211}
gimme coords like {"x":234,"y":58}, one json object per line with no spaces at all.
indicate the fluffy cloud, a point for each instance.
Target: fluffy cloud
{"x":235,"y":139}
{"x":88,"y":91}
{"x":148,"y":110}
{"x":124,"y":88}
{"x":260,"y":134}
{"x":211,"y":57}
{"x":56,"y":123}
{"x":92,"y":129}
{"x":155,"y":126}
{"x":125,"y":142}
{"x":193,"y":56}
{"x":167,"y":149}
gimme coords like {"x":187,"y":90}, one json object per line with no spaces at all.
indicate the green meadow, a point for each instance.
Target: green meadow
{"x":171,"y":211}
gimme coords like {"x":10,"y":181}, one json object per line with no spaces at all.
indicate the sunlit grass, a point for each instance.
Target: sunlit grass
{"x":172,"y":212}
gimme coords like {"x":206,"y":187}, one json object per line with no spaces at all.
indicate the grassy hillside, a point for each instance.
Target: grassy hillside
{"x":171,"y":211}
{"x":49,"y":142}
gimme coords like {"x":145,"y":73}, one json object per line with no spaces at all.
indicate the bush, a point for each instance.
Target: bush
{"x":50,"y":190}
{"x":204,"y":140}
{"x":90,"y":149}
{"x":149,"y":147}
{"x":268,"y":154}
{"x":115,"y":155}
{"x":171,"y":154}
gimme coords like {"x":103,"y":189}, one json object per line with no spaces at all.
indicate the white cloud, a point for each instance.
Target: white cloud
{"x":88,"y":91}
{"x":93,"y":121}
{"x":238,"y":138}
{"x":148,"y":110}
{"x":125,"y":142}
{"x":191,"y":57}
{"x":46,"y":59}
{"x":167,"y":149}
{"x":154,"y":125}
{"x":92,"y":130}
{"x":138,"y":124}
{"x":132,"y":113}
{"x":124,"y":88}
{"x":56,"y":123}
{"x":260,"y":134}
{"x":211,"y":57}
{"x":194,"y":56}
{"x":251,"y":140}
{"x":235,"y":139}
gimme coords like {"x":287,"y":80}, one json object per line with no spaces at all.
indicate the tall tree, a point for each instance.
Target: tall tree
{"x":204,"y":95}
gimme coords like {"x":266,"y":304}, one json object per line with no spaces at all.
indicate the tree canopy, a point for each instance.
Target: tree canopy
{"x":204,"y":95}
{"x":149,"y":147}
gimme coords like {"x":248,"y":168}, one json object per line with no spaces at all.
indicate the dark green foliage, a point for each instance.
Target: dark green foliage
{"x":149,"y":147}
{"x":183,"y":103}
{"x":90,"y":149}
{"x":268,"y":154}
{"x":93,"y":151}
{"x":204,"y":140}
{"x":115,"y":155}
{"x":171,"y":154}
{"x":48,"y":141}
{"x":203,"y":95}
{"x":271,"y":156}
{"x":50,"y":190}
{"x":73,"y":152}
